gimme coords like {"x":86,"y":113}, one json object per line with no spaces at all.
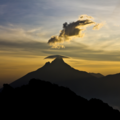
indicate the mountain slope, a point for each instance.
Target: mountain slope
{"x":55,"y":71}
{"x":43,"y":99}
{"x":111,"y":83}
{"x":98,"y":75}
{"x":82,"y":83}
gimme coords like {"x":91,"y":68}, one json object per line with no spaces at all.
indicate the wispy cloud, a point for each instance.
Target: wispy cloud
{"x":16,"y":33}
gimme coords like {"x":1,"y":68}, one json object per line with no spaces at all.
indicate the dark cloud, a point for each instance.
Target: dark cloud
{"x":74,"y":29}
{"x":23,"y":49}
{"x":81,"y":51}
{"x":22,"y":44}
{"x":35,"y":49}
{"x":55,"y":56}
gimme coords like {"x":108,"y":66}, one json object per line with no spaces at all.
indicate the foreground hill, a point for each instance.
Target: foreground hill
{"x":43,"y":99}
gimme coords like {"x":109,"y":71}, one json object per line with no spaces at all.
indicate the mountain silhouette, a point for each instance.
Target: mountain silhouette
{"x":98,"y":75}
{"x":111,"y":83}
{"x":42,"y":99}
{"x":106,"y":88}
{"x":56,"y":71}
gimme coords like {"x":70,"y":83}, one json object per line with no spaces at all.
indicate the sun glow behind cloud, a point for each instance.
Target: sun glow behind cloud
{"x":73,"y":30}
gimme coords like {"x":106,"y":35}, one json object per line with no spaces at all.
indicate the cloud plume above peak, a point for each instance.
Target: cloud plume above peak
{"x":74,"y":29}
{"x":55,"y":56}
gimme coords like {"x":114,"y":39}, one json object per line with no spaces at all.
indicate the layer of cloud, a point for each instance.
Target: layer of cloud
{"x":24,"y":43}
{"x":19,"y":42}
{"x":84,"y":52}
{"x":35,"y":49}
{"x":72,"y":30}
{"x":56,"y":56}
{"x":17,"y":33}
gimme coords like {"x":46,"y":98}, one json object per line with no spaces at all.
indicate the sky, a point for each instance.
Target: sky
{"x":26,"y":26}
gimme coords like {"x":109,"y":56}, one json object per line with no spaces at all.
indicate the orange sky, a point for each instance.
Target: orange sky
{"x":13,"y":68}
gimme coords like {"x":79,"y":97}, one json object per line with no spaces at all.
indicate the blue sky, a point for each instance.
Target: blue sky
{"x":43,"y":12}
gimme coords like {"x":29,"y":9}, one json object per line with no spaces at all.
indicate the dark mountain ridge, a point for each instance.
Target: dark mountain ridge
{"x":55,"y":71}
{"x":82,"y":83}
{"x":44,"y":99}
{"x":98,"y":75}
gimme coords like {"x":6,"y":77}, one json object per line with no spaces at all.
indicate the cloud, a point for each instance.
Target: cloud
{"x":17,"y":33}
{"x":98,"y":26}
{"x":35,"y":49}
{"x":22,"y":49}
{"x":84,"y":52}
{"x":56,"y":56}
{"x":72,"y":30}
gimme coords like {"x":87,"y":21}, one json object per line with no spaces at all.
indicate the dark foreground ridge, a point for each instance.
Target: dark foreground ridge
{"x":43,"y":99}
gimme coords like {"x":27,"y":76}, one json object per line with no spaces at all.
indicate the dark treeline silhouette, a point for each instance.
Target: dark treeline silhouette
{"x":40,"y":99}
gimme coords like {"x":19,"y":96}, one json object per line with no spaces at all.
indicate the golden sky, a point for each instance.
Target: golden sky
{"x":26,"y":27}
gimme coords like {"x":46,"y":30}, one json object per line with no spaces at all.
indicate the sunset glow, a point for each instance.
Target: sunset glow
{"x":26,"y":27}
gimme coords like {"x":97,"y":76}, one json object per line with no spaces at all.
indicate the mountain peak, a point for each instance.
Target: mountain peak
{"x":57,"y":70}
{"x":58,"y":60}
{"x":47,"y":64}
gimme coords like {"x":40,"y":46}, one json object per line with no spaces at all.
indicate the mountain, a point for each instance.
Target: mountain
{"x":42,"y":99}
{"x":98,"y":75}
{"x":85,"y":84}
{"x":56,"y":71}
{"x":111,"y":83}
